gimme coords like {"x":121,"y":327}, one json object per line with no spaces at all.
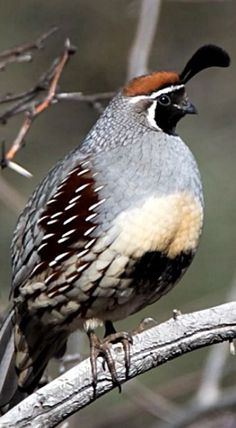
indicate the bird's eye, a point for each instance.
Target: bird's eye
{"x":164,"y":100}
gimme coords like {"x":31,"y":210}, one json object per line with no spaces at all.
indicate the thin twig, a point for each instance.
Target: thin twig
{"x":79,"y":96}
{"x":23,"y":53}
{"x":69,"y":50}
{"x":26,"y":100}
{"x":39,"y":106}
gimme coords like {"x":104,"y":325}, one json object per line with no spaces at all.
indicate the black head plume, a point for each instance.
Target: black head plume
{"x":205,"y":57}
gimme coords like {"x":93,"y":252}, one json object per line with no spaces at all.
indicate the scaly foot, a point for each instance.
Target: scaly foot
{"x":103,"y":348}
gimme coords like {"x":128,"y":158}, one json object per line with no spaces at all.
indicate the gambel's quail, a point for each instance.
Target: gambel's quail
{"x":110,"y":230}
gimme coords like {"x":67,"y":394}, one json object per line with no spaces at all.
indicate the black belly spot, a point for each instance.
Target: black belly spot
{"x":155,"y":268}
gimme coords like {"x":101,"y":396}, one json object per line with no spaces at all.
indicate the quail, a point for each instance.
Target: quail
{"x":110,"y":230}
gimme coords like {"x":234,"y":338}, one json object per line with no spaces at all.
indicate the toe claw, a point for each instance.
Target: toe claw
{"x":102,"y":348}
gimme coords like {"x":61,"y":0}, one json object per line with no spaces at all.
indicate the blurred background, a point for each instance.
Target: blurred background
{"x":105,"y":32}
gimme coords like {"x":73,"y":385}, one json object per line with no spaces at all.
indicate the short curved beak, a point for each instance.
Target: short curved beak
{"x":188,"y":108}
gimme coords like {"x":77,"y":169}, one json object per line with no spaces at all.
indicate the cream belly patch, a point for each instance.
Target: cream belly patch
{"x":171,"y":224}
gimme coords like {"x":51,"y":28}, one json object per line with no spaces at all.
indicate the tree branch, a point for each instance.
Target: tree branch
{"x":23,"y":53}
{"x":142,"y":44}
{"x":73,"y":390}
{"x":52,"y":76}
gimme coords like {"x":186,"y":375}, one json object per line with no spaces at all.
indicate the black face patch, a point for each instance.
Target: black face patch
{"x":169,"y":110}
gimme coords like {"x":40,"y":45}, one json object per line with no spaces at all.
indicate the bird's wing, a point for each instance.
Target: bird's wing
{"x":55,"y":224}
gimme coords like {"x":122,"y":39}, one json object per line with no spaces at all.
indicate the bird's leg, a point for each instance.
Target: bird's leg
{"x":101,"y":348}
{"x":111,"y":336}
{"x":109,"y":329}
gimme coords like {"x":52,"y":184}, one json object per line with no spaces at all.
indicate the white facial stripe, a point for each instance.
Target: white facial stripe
{"x":166,"y":90}
{"x":151,"y":116}
{"x":156,"y":94}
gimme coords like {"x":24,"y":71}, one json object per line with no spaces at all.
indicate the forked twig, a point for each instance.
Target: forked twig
{"x":38,"y":107}
{"x":23,"y":53}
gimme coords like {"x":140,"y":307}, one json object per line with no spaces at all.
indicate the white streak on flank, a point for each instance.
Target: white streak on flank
{"x":97,"y":189}
{"x":89,"y":231}
{"x":75,"y":199}
{"x":52,"y":221}
{"x":82,"y":187}
{"x":72,"y":171}
{"x":70,"y":219}
{"x":61,"y":256}
{"x":82,"y":253}
{"x":151,"y":116}
{"x":82,"y":267}
{"x":52,"y":293}
{"x":90,"y":243}
{"x":61,"y":240}
{"x":36,"y":267}
{"x":84,"y":163}
{"x":58,"y":194}
{"x":95,"y":174}
{"x":156,"y":94}
{"x":68,"y":207}
{"x":53,"y":263}
{"x":42,"y":246}
{"x":83,"y":171}
{"x":60,"y":187}
{"x":72,"y":278}
{"x":42,"y":219}
{"x":90,"y":217}
{"x":49,"y":235}
{"x":57,"y":214}
{"x":96,"y":205}
{"x":51,"y":201}
{"x":62,"y":288}
{"x":48,"y":279}
{"x":64,"y":180}
{"x":68,"y":233}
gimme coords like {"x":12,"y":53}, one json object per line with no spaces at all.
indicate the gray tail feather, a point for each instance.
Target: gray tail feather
{"x":9,"y":393}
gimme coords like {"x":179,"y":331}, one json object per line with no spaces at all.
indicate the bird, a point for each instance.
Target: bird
{"x":110,"y":230}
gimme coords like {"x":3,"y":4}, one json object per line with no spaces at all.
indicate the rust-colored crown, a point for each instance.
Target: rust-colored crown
{"x":145,"y":85}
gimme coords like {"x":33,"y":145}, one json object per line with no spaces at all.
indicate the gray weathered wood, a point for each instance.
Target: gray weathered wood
{"x":73,"y":390}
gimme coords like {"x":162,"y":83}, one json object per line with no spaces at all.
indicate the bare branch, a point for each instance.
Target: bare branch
{"x":94,"y":99}
{"x":73,"y":390}
{"x":27,"y":100}
{"x":23,"y":53}
{"x":79,"y":96}
{"x":53,"y":75}
{"x":69,"y":50}
{"x":141,"y":47}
